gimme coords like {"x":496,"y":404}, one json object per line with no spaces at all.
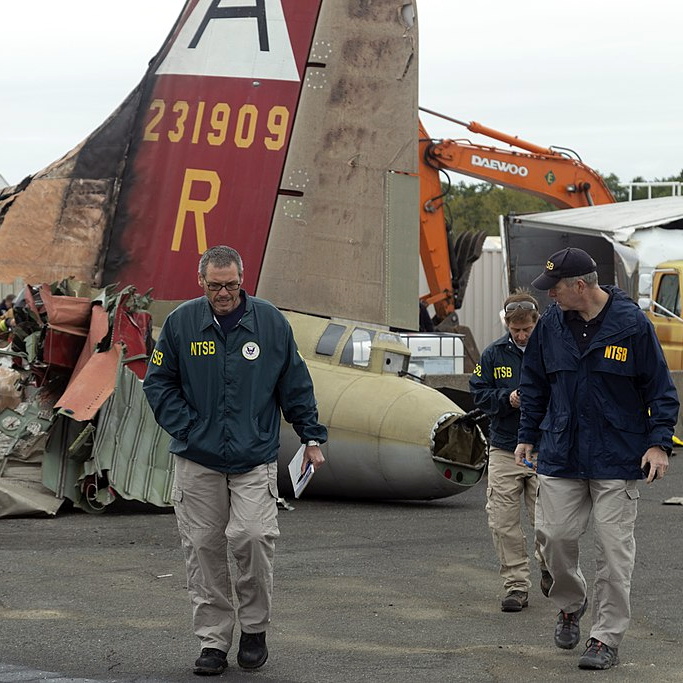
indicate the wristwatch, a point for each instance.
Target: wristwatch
{"x":312,"y":442}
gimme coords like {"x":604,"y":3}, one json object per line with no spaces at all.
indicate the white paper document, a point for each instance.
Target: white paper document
{"x":299,"y":480}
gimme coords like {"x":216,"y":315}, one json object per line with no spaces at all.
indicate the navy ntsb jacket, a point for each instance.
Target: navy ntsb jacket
{"x":598,"y":412}
{"x":220,"y":396}
{"x":494,"y":378}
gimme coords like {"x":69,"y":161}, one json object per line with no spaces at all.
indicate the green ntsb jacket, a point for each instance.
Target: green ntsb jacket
{"x":219,"y":396}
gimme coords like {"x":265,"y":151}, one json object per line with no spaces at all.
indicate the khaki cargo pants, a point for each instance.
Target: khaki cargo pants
{"x":508,"y":485}
{"x":216,"y":512}
{"x":563,"y":511}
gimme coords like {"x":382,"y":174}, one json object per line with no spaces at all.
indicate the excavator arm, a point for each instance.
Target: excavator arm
{"x":553,"y":175}
{"x":434,"y":236}
{"x":563,"y":181}
{"x":544,"y":172}
{"x":446,"y":260}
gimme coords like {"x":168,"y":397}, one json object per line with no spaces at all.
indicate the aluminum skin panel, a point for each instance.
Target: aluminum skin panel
{"x":22,"y":491}
{"x":380,"y":438}
{"x":131,"y":447}
{"x":402,"y":250}
{"x":335,"y":246}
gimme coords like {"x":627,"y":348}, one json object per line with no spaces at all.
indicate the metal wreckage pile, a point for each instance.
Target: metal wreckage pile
{"x":75,"y":424}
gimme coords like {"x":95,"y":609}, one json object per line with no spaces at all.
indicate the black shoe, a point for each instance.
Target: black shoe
{"x":514,"y":601}
{"x":546,"y":582}
{"x":211,"y":662}
{"x":253,"y":651}
{"x":567,"y":632}
{"x":598,"y":655}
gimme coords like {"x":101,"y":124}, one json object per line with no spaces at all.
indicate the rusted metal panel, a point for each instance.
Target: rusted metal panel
{"x":54,"y":228}
{"x":70,"y":314}
{"x":61,"y":349}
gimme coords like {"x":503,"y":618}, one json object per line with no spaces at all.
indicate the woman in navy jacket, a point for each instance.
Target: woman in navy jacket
{"x":494,"y":388}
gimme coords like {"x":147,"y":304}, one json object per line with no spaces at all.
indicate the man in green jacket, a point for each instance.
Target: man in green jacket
{"x":223,"y":368}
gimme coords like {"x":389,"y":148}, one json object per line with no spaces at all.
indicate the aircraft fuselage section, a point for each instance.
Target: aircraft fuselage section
{"x":385,"y":430}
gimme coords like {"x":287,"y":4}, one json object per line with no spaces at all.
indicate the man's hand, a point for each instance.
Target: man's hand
{"x":523,"y":452}
{"x":313,"y":455}
{"x":515,"y":399}
{"x":655,"y":462}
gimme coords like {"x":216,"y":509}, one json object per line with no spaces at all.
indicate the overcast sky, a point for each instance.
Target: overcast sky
{"x":602,"y":77}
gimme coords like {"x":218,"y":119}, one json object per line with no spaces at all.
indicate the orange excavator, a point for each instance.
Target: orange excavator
{"x":554,"y":174}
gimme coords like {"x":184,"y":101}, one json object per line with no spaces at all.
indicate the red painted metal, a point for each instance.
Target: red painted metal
{"x":96,"y":383}
{"x":134,"y":330}
{"x":189,"y":152}
{"x":61,"y":349}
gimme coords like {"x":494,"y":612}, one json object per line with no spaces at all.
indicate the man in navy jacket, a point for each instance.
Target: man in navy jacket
{"x":224,"y":367}
{"x":598,"y":393}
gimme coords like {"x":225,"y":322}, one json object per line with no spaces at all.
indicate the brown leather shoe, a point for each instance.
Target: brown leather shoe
{"x":514,"y":601}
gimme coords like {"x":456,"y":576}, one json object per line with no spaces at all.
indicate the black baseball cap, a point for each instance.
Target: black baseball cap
{"x":569,"y":262}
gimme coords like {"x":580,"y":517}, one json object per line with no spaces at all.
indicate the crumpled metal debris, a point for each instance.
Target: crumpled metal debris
{"x":66,"y":354}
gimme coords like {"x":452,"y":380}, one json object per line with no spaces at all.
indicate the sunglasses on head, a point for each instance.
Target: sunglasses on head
{"x":514,"y":305}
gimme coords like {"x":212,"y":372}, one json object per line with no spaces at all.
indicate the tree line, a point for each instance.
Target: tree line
{"x":477,"y":206}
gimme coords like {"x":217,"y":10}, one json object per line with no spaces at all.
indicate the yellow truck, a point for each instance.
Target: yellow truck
{"x":663,"y":308}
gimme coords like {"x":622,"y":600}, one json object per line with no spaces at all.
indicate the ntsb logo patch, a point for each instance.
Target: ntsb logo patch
{"x":619,"y":353}
{"x":251,"y":351}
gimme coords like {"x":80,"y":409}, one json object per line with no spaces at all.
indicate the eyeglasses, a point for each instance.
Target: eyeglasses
{"x":526,"y":305}
{"x":217,"y":286}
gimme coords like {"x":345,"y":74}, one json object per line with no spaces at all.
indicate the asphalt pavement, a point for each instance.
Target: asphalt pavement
{"x":396,"y":592}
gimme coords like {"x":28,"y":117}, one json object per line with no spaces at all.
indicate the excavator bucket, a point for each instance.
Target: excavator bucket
{"x":465,"y":251}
